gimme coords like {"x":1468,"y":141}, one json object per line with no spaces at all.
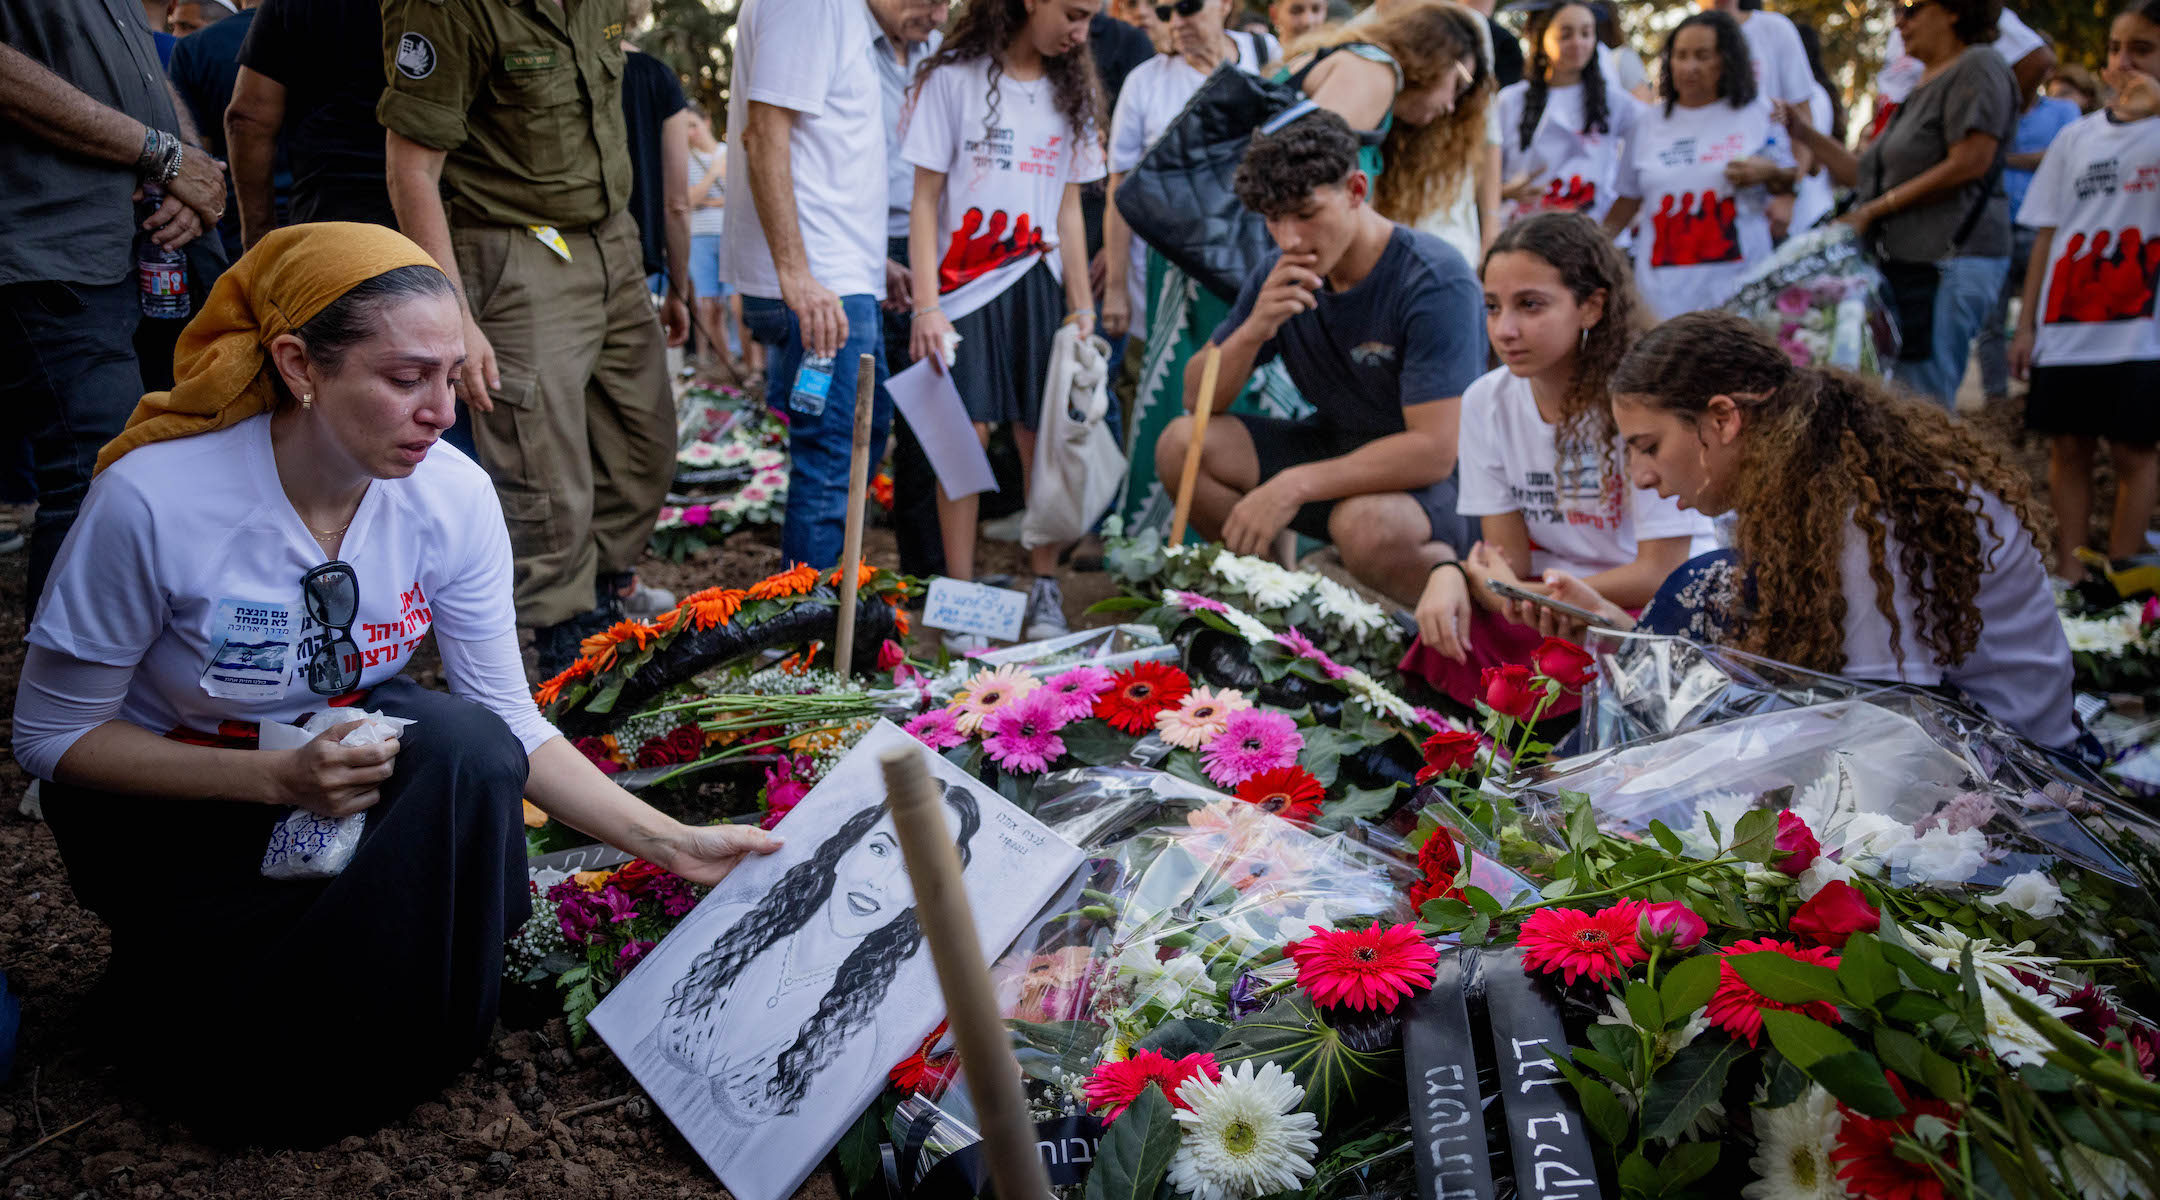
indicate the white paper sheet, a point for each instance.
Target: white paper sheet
{"x":926,"y":397}
{"x":768,"y":1020}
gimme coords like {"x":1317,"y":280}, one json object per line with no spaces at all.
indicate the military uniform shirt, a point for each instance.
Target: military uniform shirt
{"x":525,"y":95}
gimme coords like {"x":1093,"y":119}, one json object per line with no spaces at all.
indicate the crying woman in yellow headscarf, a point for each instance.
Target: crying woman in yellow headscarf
{"x":273,"y":539}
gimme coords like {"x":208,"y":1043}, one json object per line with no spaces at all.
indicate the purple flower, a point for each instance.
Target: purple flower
{"x":1021,"y":736}
{"x":1244,"y":994}
{"x":1252,"y":741}
{"x":1078,"y":689}
{"x":1302,"y":646}
{"x":621,"y":906}
{"x":1793,"y":301}
{"x":937,"y":729}
{"x":697,"y":514}
{"x":1194,"y":601}
{"x":630,"y":955}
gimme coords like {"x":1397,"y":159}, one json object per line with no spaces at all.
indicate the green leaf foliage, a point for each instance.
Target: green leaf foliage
{"x":1643,"y":1006}
{"x":1863,"y":973}
{"x":1803,"y":1040}
{"x":1324,"y":748}
{"x":1857,"y":1079}
{"x":1687,"y":1085}
{"x":1356,"y":804}
{"x":1292,"y":1034}
{"x":1095,"y":744}
{"x":858,"y":1150}
{"x":1689,"y":985}
{"x":1176,"y":1039}
{"x":1754,"y":836}
{"x":1601,"y":1107}
{"x":1684,"y":1164}
{"x":1136,"y":1150}
{"x":1786,"y":980}
{"x":1910,"y":1057}
{"x":1045,"y":1050}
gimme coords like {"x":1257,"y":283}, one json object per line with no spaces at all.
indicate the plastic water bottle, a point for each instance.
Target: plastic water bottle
{"x":161,"y":271}
{"x":812,"y":381}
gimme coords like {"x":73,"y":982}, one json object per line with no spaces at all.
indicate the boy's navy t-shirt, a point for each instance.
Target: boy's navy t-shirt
{"x":1411,"y":331}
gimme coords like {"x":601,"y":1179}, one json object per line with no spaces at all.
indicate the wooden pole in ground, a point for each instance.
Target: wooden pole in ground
{"x":1194,"y":444}
{"x":971,"y":1010}
{"x":858,"y":486}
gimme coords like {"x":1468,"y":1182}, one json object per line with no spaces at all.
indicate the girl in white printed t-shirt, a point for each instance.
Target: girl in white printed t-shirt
{"x":1563,"y":125}
{"x":1003,"y":129}
{"x":1694,"y":171}
{"x":2087,"y":331}
{"x":1541,"y":459}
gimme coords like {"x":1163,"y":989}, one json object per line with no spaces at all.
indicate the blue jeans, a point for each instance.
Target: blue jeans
{"x":819,"y":446}
{"x":1994,"y":347}
{"x":1962,"y":304}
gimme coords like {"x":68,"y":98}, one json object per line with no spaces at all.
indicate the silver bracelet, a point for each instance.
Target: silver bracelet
{"x":170,"y":170}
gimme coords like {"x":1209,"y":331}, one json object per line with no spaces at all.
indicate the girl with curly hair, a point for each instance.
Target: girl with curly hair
{"x":1873,"y":537}
{"x":1563,"y":125}
{"x":1005,"y":125}
{"x":1540,"y":456}
{"x":1697,"y":163}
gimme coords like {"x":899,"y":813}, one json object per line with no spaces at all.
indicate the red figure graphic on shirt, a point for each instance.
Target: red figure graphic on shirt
{"x":1574,"y":194}
{"x":1702,"y":230}
{"x":978,"y":249}
{"x":2113,"y":278}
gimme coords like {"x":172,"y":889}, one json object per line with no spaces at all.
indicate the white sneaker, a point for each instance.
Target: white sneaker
{"x":647,"y":602}
{"x":1005,"y":528}
{"x":1046,"y":611}
{"x":962,"y":645}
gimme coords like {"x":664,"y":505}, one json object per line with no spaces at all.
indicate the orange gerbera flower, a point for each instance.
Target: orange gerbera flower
{"x":881,"y":489}
{"x":864,"y":574}
{"x":552,"y":690}
{"x":666,"y":621}
{"x":795,"y":581}
{"x":601,"y":647}
{"x":900,"y":613}
{"x":713,"y":606}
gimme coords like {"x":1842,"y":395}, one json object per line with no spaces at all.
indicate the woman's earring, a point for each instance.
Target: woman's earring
{"x":307,"y":400}
{"x":1583,"y":343}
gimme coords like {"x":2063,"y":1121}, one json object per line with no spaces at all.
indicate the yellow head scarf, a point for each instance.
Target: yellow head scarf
{"x":221,"y":366}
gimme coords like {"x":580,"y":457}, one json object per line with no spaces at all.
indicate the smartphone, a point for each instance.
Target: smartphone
{"x":1559,"y":606}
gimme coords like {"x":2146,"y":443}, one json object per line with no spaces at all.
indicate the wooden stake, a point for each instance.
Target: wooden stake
{"x":947,"y":923}
{"x":858,"y":486}
{"x":1198,"y":440}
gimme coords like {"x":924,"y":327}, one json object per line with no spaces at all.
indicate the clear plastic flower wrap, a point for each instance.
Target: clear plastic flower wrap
{"x":1824,"y":300}
{"x":1112,"y":647}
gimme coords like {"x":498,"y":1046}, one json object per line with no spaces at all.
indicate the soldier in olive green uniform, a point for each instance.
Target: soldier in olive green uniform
{"x":508,"y":161}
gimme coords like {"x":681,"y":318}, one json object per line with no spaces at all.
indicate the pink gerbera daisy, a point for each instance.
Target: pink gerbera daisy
{"x":1199,"y":716}
{"x":989,"y":691}
{"x":1078,"y":690}
{"x":1194,"y":601}
{"x":1364,"y":968}
{"x":1118,"y":1084}
{"x":1252,"y":741}
{"x":938,"y":729}
{"x":1022,"y":735}
{"x":1578,"y":944}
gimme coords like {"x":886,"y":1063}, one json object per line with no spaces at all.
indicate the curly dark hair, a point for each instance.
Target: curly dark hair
{"x":864,"y":975}
{"x":1736,"y":67}
{"x":984,"y":28}
{"x":1594,"y":116}
{"x":1282,"y":168}
{"x":1588,"y":262}
{"x":1825,"y":450}
{"x":1973,"y":21}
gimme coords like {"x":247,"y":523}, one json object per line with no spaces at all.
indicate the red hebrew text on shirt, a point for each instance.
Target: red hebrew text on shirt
{"x":390,"y":641}
{"x":1700,"y":229}
{"x":979,"y":247}
{"x":2111,"y":277}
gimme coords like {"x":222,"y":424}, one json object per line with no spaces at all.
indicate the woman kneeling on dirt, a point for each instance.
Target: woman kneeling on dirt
{"x":274,"y":537}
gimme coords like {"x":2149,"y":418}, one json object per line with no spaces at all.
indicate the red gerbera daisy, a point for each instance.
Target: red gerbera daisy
{"x":1867,"y":1146}
{"x":1364,"y":968}
{"x":923,"y":1073}
{"x":1581,"y":945}
{"x":1138,"y":694}
{"x":1737,"y":1008}
{"x":1118,"y":1084}
{"x":1290,"y":792}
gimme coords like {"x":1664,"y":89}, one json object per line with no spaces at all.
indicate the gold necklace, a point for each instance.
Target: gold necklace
{"x":321,"y":534}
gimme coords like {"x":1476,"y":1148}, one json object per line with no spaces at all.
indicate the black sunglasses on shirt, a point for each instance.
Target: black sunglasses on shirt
{"x":1183,"y":8}
{"x":332,"y":595}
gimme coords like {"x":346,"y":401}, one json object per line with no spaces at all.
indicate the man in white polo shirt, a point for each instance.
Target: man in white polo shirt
{"x":805,"y":239}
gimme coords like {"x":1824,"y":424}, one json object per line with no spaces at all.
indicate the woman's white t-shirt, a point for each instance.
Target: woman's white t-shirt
{"x":1003,"y":183}
{"x":2099,"y":187}
{"x":1812,"y":198}
{"x":1574,"y":170}
{"x":1696,"y":233}
{"x":185,"y":565}
{"x":1153,"y":95}
{"x":2019,"y":670}
{"x":1584,"y":522}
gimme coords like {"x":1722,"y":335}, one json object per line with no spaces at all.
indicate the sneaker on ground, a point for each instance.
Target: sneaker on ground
{"x":1005,"y":528}
{"x":1046,"y":611}
{"x":961,"y":645}
{"x":647,"y":602}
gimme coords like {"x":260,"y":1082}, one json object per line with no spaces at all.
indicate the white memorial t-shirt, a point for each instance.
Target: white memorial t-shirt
{"x":1574,"y":170}
{"x":1696,"y":233}
{"x":1154,"y":94}
{"x":1003,"y":182}
{"x":2099,"y":187}
{"x":1587,"y":522}
{"x":1901,"y":72}
{"x":1781,"y":66}
{"x":807,"y":56}
{"x":185,"y":564}
{"x":2019,"y":670}
{"x":1812,"y":196}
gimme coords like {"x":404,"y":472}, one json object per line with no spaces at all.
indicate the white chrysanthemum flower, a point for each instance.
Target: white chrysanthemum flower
{"x":1944,"y":945}
{"x":2009,"y":1035}
{"x":1940,"y":856}
{"x":1792,"y":1150}
{"x":1243,"y":1136}
{"x":1867,"y":837}
{"x":1820,"y":874}
{"x":2111,"y":632}
{"x":1273,"y":587}
{"x":1367,"y":693}
{"x":1234,"y":569}
{"x":2097,"y":1176}
{"x":1355,"y":614}
{"x":1248,"y":626}
{"x":2031,"y":893}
